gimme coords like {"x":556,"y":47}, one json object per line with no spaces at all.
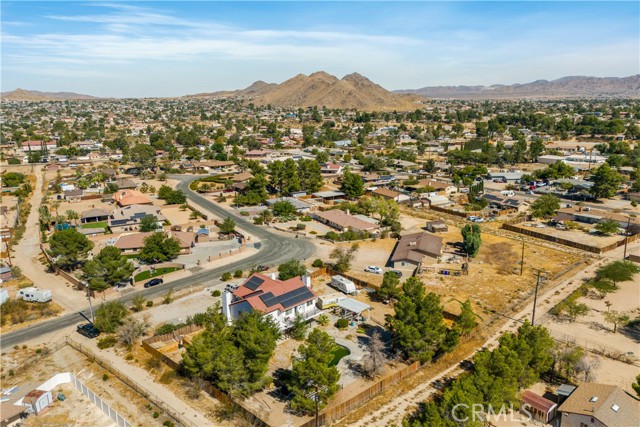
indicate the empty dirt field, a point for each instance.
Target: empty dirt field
{"x":494,"y":281}
{"x":132,"y":406}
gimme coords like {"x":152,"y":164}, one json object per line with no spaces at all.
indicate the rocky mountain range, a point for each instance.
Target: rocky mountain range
{"x":34,"y":95}
{"x":565,"y":87}
{"x":322,"y":89}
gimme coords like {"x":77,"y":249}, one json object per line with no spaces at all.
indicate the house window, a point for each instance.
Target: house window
{"x":309,"y":303}
{"x":288,"y":313}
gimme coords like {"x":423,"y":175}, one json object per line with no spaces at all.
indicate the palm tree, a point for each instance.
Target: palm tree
{"x":45,"y":217}
{"x":72,"y":216}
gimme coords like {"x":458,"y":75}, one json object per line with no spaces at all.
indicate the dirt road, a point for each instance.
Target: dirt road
{"x":27,"y":253}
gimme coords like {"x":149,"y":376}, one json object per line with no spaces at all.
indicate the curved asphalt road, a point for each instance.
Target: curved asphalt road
{"x":273,"y":249}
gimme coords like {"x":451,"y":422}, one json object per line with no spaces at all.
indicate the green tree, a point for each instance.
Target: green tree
{"x":545,"y":206}
{"x":159,"y":247}
{"x":352,"y":184}
{"x":576,"y":309}
{"x":343,"y":257}
{"x":536,"y":148}
{"x":618,"y":271}
{"x":608,"y":226}
{"x":176,"y":197}
{"x":389,"y":289}
{"x":143,"y":155}
{"x":283,"y":208}
{"x":636,"y":385}
{"x":106,"y":269}
{"x":148,"y":223}
{"x":255,"y":192}
{"x":227,"y":226}
{"x":616,"y":318}
{"x":312,"y":374}
{"x":310,"y":175}
{"x":417,"y":326}
{"x":69,"y":247}
{"x":291,"y":268}
{"x":466,"y":320}
{"x":233,"y":357}
{"x":471,"y":239}
{"x":606,"y":181}
{"x":164,"y":192}
{"x":110,"y":315}
{"x":72,"y":215}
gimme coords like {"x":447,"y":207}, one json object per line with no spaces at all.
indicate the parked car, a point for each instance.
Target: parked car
{"x":262,"y":268}
{"x":153,"y":282}
{"x":88,"y":330}
{"x":396,"y":272}
{"x":230,"y":288}
{"x":373,"y":269}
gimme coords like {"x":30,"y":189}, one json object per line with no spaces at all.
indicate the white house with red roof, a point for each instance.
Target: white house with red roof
{"x":330,"y":168}
{"x":283,"y":300}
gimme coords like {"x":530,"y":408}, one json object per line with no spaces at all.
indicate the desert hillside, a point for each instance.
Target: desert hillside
{"x":322,"y":89}
{"x":34,"y":95}
{"x":565,"y":87}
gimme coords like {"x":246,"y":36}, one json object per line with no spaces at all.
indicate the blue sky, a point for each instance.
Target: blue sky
{"x":135,"y":49}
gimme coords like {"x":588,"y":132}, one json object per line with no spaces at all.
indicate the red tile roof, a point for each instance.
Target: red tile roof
{"x":258,"y":285}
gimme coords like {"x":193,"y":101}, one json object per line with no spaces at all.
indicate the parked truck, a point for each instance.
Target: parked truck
{"x":34,"y":294}
{"x":343,"y":284}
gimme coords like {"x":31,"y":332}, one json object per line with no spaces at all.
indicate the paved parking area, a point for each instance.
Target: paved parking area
{"x":203,"y":250}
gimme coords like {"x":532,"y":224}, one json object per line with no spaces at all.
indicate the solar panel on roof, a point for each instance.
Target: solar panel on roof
{"x":254,"y":283}
{"x":269,"y":299}
{"x":295,"y":297}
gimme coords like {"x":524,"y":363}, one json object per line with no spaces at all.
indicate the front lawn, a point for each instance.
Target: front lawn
{"x":338,"y":354}
{"x":157,"y":272}
{"x":100,"y":224}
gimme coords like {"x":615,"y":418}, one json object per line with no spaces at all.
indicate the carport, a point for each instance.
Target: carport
{"x":351,"y":309}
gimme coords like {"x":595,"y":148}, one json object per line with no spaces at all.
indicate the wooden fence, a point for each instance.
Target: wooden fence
{"x":79,"y":284}
{"x":570,"y":243}
{"x":454,"y":212}
{"x":340,"y":409}
{"x":207,"y":387}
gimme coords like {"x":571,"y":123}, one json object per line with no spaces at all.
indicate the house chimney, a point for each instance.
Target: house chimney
{"x":307,"y":281}
{"x":348,"y":212}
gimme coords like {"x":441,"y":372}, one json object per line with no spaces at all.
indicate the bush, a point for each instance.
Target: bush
{"x":168,"y":423}
{"x":305,"y":218}
{"x":258,"y":220}
{"x":215,"y":293}
{"x":301,"y":226}
{"x":156,"y":415}
{"x":237,"y":274}
{"x":317,"y":263}
{"x":149,"y":303}
{"x":226,"y":277}
{"x":342,"y":324}
{"x":323,"y":319}
{"x":107,"y":342}
{"x":105,"y":377}
{"x":167,"y":328}
{"x":244,"y":213}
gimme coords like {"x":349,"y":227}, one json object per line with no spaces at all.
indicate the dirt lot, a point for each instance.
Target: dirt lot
{"x":371,"y":252}
{"x":592,"y":329}
{"x":124,"y":400}
{"x":577,"y":236}
{"x":494,"y":280}
{"x":76,"y":410}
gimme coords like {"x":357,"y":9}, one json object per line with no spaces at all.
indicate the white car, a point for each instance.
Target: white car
{"x":373,"y":269}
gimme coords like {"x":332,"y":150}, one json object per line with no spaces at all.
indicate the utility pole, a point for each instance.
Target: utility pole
{"x":522,"y":259}
{"x":626,"y":238}
{"x":539,"y":278}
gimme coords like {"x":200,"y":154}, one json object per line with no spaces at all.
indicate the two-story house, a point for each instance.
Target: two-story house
{"x":282,"y":300}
